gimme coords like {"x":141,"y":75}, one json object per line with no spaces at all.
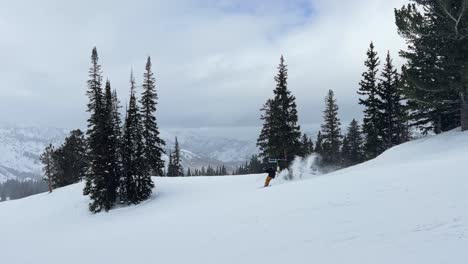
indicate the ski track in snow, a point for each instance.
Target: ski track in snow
{"x":409,"y":205}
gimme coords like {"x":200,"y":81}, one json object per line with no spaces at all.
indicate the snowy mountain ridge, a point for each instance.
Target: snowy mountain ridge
{"x":20,"y":148}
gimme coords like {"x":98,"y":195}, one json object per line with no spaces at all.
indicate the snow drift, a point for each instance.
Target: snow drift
{"x":410,"y":205}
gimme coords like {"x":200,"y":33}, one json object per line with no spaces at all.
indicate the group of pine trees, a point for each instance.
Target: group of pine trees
{"x":66,"y":164}
{"x":17,"y":189}
{"x":430,"y":93}
{"x":253,"y":166}
{"x":208,"y":171}
{"x":121,"y":157}
{"x":175,"y":167}
{"x":384,"y":124}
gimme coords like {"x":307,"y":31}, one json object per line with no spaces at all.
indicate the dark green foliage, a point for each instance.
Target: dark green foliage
{"x":153,"y":147}
{"x":331,"y":132}
{"x":101,"y":179}
{"x":136,"y":183}
{"x":280,"y":135}
{"x":318,"y":144}
{"x":70,"y":160}
{"x":307,"y":146}
{"x":14,"y":189}
{"x":50,"y":165}
{"x":68,"y":163}
{"x":436,"y":72}
{"x":352,"y":150}
{"x":370,"y":99}
{"x":392,"y":115}
{"x":170,"y":166}
{"x":254,"y":166}
{"x":175,"y":166}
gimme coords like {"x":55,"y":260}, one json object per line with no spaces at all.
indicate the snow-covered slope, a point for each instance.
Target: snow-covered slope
{"x":20,"y":148}
{"x":410,"y":205}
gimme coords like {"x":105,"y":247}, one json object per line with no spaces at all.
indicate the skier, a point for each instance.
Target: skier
{"x":271,"y":175}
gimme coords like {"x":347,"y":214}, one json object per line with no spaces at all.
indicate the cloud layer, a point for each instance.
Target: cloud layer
{"x":214,"y":60}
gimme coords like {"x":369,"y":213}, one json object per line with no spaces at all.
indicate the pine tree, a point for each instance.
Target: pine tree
{"x":392,"y":110}
{"x":170,"y":166}
{"x":331,"y":132}
{"x":100,"y":180}
{"x":189,"y":173}
{"x":153,"y":143}
{"x":436,"y":72}
{"x":352,"y":151}
{"x":176,"y":160}
{"x":280,"y":135}
{"x":136,"y":183}
{"x":318,"y":144}
{"x":70,"y":160}
{"x":49,"y":165}
{"x":370,"y":99}
{"x":307,"y":146}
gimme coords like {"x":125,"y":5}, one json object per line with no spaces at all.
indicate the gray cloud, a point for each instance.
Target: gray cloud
{"x":214,"y":60}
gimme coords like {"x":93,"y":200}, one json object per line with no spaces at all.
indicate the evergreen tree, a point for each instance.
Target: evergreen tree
{"x":318,"y":144}
{"x":70,"y":160}
{"x":178,"y":170}
{"x":100,"y":179}
{"x":352,"y":151}
{"x":370,"y":99}
{"x":117,"y":131}
{"x":392,"y":111}
{"x":136,"y":183}
{"x":280,"y":135}
{"x":255,"y":165}
{"x":170,"y":166}
{"x":189,"y":173}
{"x":307,"y":146}
{"x":331,"y":132}
{"x":436,"y":72}
{"x":153,"y":143}
{"x":49,"y":168}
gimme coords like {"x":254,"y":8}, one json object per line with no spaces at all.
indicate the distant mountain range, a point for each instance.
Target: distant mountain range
{"x":20,"y":149}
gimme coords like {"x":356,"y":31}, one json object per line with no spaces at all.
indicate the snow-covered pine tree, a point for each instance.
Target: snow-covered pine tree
{"x":170,"y":165}
{"x":280,"y":135}
{"x":49,"y":167}
{"x":153,"y":143}
{"x":100,"y":180}
{"x":372,"y":103}
{"x":111,"y":143}
{"x":70,"y":159}
{"x":307,"y":145}
{"x":136,"y":184}
{"x":392,"y":110}
{"x":331,"y":132}
{"x":318,"y":144}
{"x":178,"y":170}
{"x":352,"y":151}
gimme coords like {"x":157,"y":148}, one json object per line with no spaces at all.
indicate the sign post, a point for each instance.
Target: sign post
{"x":271,"y":160}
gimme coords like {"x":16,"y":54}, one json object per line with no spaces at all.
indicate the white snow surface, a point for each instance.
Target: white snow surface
{"x":409,"y":205}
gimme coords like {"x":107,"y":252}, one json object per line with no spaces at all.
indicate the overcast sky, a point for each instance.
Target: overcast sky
{"x":214,"y":60}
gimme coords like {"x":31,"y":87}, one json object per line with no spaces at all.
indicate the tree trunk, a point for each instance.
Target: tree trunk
{"x":464,"y":115}
{"x":464,"y":97}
